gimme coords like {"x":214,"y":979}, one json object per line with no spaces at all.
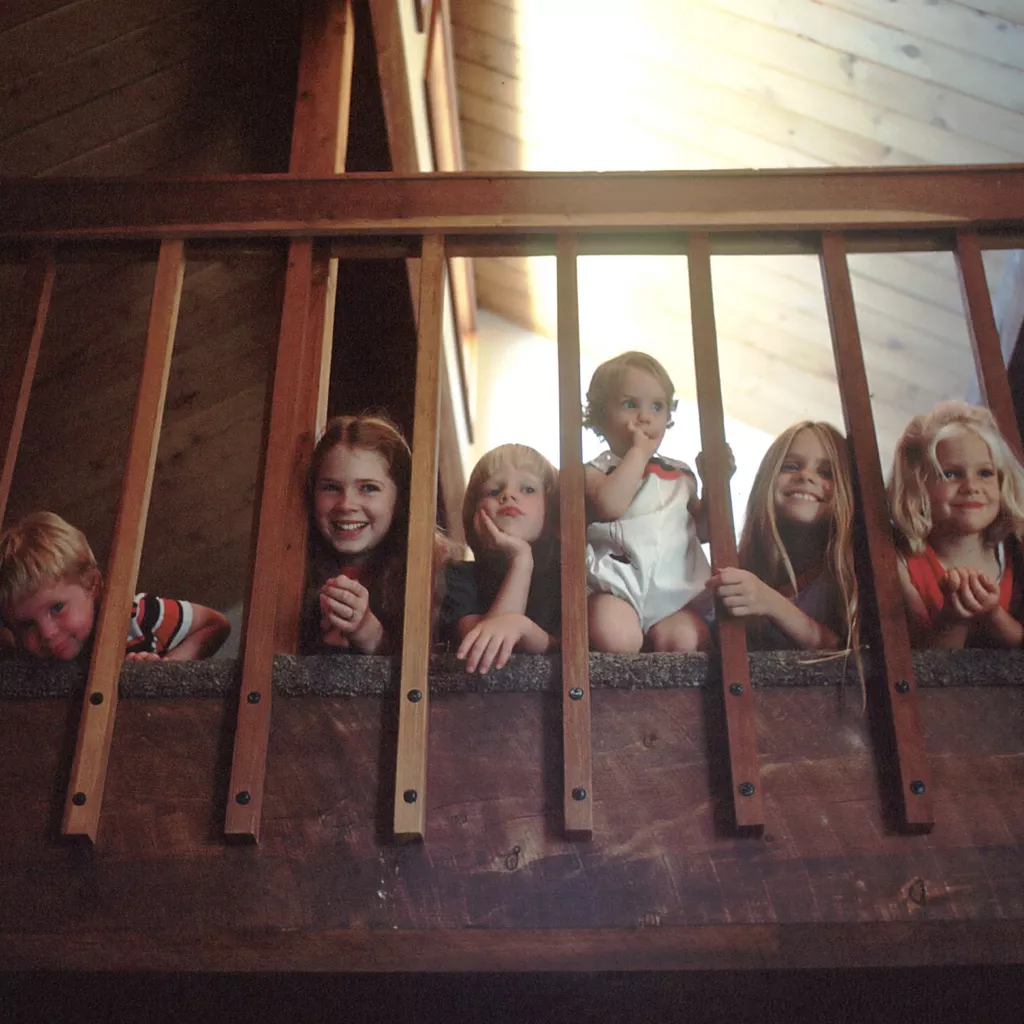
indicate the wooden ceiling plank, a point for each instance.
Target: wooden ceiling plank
{"x":46,"y":41}
{"x":848,"y":72}
{"x":996,"y":84}
{"x":954,"y":25}
{"x":862,"y":133}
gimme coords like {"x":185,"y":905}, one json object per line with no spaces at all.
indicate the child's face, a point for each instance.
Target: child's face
{"x":804,"y":487}
{"x":965,"y":498}
{"x":57,"y":620}
{"x":354,"y":501}
{"x":639,"y":403}
{"x":514,"y":499}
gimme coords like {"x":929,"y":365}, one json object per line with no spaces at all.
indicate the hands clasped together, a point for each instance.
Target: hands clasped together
{"x":346,"y":619}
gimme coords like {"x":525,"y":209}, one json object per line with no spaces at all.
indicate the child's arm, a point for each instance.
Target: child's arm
{"x":209,"y":631}
{"x":947,"y":631}
{"x":744,"y":594}
{"x":610,"y":494}
{"x":971,"y":595}
{"x":696,"y":506}
{"x":347,"y":619}
{"x":492,"y":639}
{"x":518,"y":557}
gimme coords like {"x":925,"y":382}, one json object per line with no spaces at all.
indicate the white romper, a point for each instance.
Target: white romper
{"x":650,"y":555}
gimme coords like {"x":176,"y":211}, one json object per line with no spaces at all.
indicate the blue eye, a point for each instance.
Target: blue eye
{"x":369,"y":488}
{"x":56,"y":608}
{"x":658,"y":406}
{"x":528,"y":489}
{"x":628,"y":403}
{"x":986,"y":473}
{"x":327,"y":486}
{"x":493,"y":492}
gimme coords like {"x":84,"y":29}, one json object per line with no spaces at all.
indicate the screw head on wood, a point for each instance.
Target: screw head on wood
{"x":78,"y":799}
{"x":254,"y":697}
{"x":579,"y":793}
{"x":576,"y":693}
{"x":96,"y":698}
{"x":917,"y":787}
{"x":410,"y":796}
{"x":242,"y":797}
{"x":736,"y":689}
{"x":746,"y":789}
{"x":903,"y":686}
{"x":414,"y":696}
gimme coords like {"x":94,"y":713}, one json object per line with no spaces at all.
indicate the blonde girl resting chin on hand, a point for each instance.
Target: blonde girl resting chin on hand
{"x":796,"y":587}
{"x":509,"y":598}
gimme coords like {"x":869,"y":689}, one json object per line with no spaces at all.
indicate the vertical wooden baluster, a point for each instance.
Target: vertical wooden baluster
{"x":893,"y":663}
{"x":578,"y":797}
{"x":252,"y":731}
{"x":737,"y":695}
{"x":988,"y":354}
{"x":319,"y":145}
{"x":18,"y":362}
{"x":414,"y":692}
{"x":95,"y":731}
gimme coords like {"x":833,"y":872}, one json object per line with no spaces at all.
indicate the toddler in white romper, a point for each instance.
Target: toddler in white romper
{"x":644,"y":560}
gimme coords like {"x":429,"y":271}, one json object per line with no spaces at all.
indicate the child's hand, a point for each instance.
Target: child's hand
{"x":730,"y":464}
{"x":143,"y":656}
{"x":491,"y":641}
{"x":492,"y":536}
{"x":741,"y":592}
{"x":969,"y":594}
{"x":344,"y":603}
{"x":641,"y":441}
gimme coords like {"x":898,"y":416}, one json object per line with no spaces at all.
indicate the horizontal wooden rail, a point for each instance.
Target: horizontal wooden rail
{"x":509,"y":203}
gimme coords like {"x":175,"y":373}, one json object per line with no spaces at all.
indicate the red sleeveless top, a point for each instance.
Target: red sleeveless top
{"x":927,"y":574}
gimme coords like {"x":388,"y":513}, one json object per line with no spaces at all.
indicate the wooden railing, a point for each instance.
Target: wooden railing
{"x":432,"y":217}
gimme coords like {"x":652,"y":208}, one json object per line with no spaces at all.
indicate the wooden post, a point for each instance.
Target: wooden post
{"x":18,"y":362}
{"x":578,"y":796}
{"x":737,"y":694}
{"x":894,"y":664}
{"x":89,"y":769}
{"x":988,"y":354}
{"x":249,"y":761}
{"x":414,"y":692}
{"x":319,"y":145}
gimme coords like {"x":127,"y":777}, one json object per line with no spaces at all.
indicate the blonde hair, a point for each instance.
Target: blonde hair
{"x":518,"y":456}
{"x":915,"y":463}
{"x":607,"y":377}
{"x":762,"y":549}
{"x":40,"y":550}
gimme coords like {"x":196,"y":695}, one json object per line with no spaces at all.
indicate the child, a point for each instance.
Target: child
{"x":359,"y":504}
{"x":957,"y":498}
{"x":644,"y":561}
{"x":797,"y":583}
{"x":511,"y":595}
{"x":50,"y":588}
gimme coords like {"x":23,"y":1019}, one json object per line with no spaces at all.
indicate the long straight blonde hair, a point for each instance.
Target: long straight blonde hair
{"x":762,"y":550}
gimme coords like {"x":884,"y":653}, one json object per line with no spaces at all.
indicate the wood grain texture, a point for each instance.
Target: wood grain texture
{"x":988,"y":354}
{"x":910,"y":199}
{"x":18,"y":361}
{"x":901,"y":708}
{"x":92,"y":751}
{"x":245,"y":792}
{"x":666,"y":883}
{"x":577,"y":784}
{"x":319,"y":144}
{"x":414,"y":714}
{"x":737,"y":693}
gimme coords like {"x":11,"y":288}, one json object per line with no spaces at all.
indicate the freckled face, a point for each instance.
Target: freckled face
{"x":965,"y":497}
{"x":57,"y":620}
{"x":514,"y":499}
{"x":354,"y":501}
{"x":804,"y":487}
